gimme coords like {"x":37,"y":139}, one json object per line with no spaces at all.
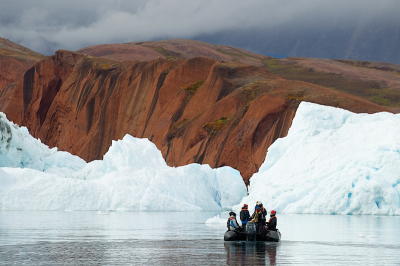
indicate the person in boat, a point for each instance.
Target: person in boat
{"x":272,"y":223}
{"x":259,"y":220}
{"x":263,"y":210}
{"x":244,"y":216}
{"x":232,"y":224}
{"x":260,"y":205}
{"x":257,"y":204}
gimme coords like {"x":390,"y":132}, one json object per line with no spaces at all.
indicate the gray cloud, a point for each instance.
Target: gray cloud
{"x":48,"y":25}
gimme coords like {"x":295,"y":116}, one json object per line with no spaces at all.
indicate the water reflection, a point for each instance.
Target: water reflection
{"x":251,"y":253}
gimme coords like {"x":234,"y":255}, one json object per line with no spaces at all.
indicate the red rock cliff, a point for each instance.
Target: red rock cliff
{"x":15,"y":60}
{"x":195,"y":110}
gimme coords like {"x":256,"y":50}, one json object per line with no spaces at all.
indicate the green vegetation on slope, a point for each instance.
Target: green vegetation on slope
{"x":376,"y":92}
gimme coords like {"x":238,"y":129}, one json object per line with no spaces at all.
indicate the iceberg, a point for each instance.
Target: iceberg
{"x":132,"y":176}
{"x":332,"y":162}
{"x":218,"y":221}
{"x":19,"y":149}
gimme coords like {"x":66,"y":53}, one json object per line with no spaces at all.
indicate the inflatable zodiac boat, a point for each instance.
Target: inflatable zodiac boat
{"x":250,"y":234}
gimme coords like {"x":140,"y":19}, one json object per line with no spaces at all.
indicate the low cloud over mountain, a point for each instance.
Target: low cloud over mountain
{"x":47,"y":25}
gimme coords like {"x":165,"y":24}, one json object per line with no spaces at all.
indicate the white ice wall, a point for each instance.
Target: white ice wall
{"x":332,"y":162}
{"x":132,"y":176}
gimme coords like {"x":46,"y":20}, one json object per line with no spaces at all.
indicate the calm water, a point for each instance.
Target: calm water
{"x":129,"y":238}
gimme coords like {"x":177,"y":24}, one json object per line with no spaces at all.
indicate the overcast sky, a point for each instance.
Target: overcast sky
{"x":48,"y":25}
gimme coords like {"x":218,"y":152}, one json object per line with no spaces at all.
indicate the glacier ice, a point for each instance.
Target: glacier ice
{"x":19,"y":149}
{"x":218,"y":221}
{"x":332,"y":162}
{"x":132,"y":176}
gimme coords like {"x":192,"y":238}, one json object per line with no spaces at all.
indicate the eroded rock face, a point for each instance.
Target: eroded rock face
{"x":195,"y":110}
{"x":15,"y":60}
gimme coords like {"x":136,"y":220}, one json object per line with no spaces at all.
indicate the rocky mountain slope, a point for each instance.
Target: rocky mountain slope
{"x":15,"y":60}
{"x":374,"y":81}
{"x":200,"y":110}
{"x":177,"y":48}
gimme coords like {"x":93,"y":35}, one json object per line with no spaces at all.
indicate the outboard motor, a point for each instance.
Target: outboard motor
{"x":251,"y":231}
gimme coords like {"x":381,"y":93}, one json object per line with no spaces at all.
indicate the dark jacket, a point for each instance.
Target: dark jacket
{"x":262,"y":214}
{"x":264,"y":211}
{"x":272,"y":223}
{"x":244,"y":215}
{"x":261,"y":220}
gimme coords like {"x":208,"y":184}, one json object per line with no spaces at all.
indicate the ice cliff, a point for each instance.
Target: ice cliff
{"x":332,"y":162}
{"x":132,"y":176}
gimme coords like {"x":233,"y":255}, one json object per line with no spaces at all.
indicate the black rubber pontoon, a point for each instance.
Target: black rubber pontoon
{"x":231,"y":236}
{"x":274,"y":236}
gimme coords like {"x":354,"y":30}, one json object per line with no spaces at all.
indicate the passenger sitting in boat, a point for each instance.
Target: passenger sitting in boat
{"x":232,"y":224}
{"x":272,"y":223}
{"x":244,"y":216}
